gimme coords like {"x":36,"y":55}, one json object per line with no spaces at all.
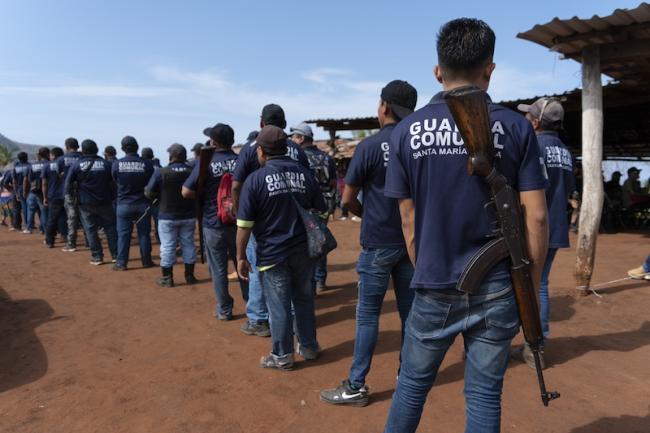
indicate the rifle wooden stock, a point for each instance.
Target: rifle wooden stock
{"x":204,"y":167}
{"x":468,"y":106}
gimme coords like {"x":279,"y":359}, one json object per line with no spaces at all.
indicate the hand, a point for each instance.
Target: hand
{"x":45,"y":202}
{"x":243,"y":269}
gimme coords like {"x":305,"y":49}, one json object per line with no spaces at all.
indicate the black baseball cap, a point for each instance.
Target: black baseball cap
{"x":89,"y":147}
{"x":272,"y":137}
{"x":221,"y":133}
{"x":273,"y":114}
{"x":177,"y":151}
{"x":197,"y":147}
{"x":633,"y":169}
{"x":401,"y":96}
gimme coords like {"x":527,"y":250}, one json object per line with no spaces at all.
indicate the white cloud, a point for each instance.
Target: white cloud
{"x":96,"y":90}
{"x":324,"y":75}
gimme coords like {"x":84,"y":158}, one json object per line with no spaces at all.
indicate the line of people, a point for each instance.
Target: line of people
{"x":423,"y":219}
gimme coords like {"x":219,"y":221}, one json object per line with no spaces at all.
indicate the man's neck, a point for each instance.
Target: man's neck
{"x":454,"y":84}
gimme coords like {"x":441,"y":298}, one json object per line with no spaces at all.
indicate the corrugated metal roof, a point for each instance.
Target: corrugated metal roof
{"x":570,"y":36}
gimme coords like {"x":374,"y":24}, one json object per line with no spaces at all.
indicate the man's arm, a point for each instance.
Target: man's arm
{"x":235,"y":193}
{"x":44,"y":186}
{"x":243,"y":267}
{"x":407,"y":212}
{"x":533,"y":204}
{"x":350,"y":200}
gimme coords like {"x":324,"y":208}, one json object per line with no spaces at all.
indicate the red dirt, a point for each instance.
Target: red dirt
{"x":85,"y":349}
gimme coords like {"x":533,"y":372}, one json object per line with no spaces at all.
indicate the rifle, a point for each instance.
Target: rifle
{"x":469,"y":109}
{"x":204,"y":164}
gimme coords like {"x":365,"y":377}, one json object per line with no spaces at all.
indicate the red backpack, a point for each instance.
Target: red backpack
{"x":225,"y":210}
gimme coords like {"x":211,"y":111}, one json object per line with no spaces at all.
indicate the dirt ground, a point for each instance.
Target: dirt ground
{"x":84,"y":349}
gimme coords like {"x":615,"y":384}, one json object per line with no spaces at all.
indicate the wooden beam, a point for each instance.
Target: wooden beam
{"x":617,"y":51}
{"x":592,"y":154}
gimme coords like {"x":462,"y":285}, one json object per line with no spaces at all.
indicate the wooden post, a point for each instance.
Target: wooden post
{"x":592,"y":155}
{"x":332,"y":141}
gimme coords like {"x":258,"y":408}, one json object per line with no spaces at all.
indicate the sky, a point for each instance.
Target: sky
{"x":164,"y":70}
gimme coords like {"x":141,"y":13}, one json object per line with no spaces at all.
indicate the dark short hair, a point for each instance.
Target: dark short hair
{"x":56,"y":151}
{"x":71,"y":143}
{"x":274,"y":151}
{"x":464,"y":45}
{"x":110,"y":150}
{"x":44,"y":152}
{"x":22,"y":156}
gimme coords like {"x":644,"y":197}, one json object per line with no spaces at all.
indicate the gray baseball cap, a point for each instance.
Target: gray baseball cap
{"x":302,"y":129}
{"x":547,"y":110}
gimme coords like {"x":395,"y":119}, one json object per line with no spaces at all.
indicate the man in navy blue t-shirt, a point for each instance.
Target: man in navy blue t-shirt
{"x":177,"y":217}
{"x":131,"y":174}
{"x":383,"y":253}
{"x":20,"y":202}
{"x":445,"y":224}
{"x":268,"y":209}
{"x":546,"y":116}
{"x":95,"y":190}
{"x":70,"y":200}
{"x":53,"y":182}
{"x":218,"y":235}
{"x":247,"y":163}
{"x":324,"y":169}
{"x":33,"y":189}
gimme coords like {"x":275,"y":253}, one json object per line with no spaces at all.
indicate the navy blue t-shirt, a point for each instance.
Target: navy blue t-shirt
{"x":68,"y":161}
{"x":17,"y":176}
{"x":53,"y":173}
{"x":428,"y":164}
{"x":156,"y":184}
{"x":34,"y":175}
{"x":223,"y":161}
{"x":247,"y":161}
{"x":131,"y":175}
{"x":266,"y":205}
{"x":559,"y":170}
{"x":93,"y":174}
{"x":381,"y":226}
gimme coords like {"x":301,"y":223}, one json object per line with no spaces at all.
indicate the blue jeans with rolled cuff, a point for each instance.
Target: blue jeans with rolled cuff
{"x":173,"y":232}
{"x":544,"y":304}
{"x":127,"y":214}
{"x":375,"y":267}
{"x":220,"y":246}
{"x":488,"y":322}
{"x":56,"y":221}
{"x":286,"y":284}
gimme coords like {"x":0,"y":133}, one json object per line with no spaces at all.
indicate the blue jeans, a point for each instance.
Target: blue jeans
{"x":488,"y":322}
{"x":256,"y":309}
{"x":286,"y":284}
{"x":171,"y":232}
{"x":127,"y":214}
{"x":56,"y":221}
{"x":375,"y":268}
{"x":544,"y":305}
{"x":35,"y":204}
{"x":93,"y":217}
{"x":219,"y":247}
{"x":646,"y":265}
{"x":19,"y":213}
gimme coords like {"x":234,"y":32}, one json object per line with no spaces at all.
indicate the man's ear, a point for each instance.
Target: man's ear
{"x":487,"y":71}
{"x":437,"y":73}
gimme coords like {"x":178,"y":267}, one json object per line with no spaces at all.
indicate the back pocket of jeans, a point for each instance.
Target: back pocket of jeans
{"x":501,"y":318}
{"x":427,"y":319}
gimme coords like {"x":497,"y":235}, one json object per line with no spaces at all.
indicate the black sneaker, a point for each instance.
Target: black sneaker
{"x":269,"y":361}
{"x":258,"y":329}
{"x":117,"y":267}
{"x":344,"y":394}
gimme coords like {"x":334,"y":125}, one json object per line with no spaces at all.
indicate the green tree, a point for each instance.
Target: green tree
{"x":5,"y":156}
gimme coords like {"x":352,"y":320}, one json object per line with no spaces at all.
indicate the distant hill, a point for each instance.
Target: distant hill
{"x":14,"y":147}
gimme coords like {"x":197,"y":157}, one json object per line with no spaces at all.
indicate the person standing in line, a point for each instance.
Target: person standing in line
{"x":93,"y":176}
{"x":445,"y":224}
{"x":71,"y":198}
{"x":324,"y":169}
{"x":19,"y":207}
{"x":642,"y":272}
{"x":110,"y":154}
{"x":131,"y":174}
{"x":32,"y":186}
{"x":546,"y":116}
{"x":268,"y":208}
{"x":383,"y":255}
{"x":247,"y":162}
{"x":53,"y":182}
{"x":177,"y":216}
{"x":218,"y":235}
{"x":147,"y":155}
